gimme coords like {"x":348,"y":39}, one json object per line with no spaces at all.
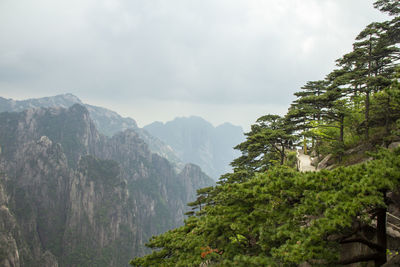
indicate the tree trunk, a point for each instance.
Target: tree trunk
{"x":368,"y":92}
{"x":282,"y":155}
{"x":381,"y":236}
{"x":341,"y":137}
{"x":367,"y":115}
{"x":387,"y":125}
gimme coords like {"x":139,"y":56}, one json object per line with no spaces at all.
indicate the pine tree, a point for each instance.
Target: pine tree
{"x":306,"y":111}
{"x":265,"y":143}
{"x":392,"y":7}
{"x":368,"y":67}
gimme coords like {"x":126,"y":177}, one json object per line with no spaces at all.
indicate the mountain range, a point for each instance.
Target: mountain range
{"x":183,"y":140}
{"x":106,"y":121}
{"x":196,"y":140}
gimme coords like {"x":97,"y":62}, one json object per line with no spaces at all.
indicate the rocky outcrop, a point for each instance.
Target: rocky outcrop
{"x":9,"y":254}
{"x":393,"y":262}
{"x":325,"y":162}
{"x":70,"y":196}
{"x":394,"y":145}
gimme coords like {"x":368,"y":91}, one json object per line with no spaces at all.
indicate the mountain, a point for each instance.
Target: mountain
{"x":195,"y":140}
{"x":70,"y":196}
{"x":106,"y":121}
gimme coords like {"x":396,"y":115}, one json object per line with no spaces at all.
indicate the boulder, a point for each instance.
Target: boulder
{"x":314,"y":161}
{"x":394,"y":145}
{"x":356,"y":149}
{"x":325,"y":162}
{"x":393,"y":262}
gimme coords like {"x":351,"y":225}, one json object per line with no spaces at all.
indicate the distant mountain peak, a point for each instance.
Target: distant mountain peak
{"x":197,"y":141}
{"x":70,"y":97}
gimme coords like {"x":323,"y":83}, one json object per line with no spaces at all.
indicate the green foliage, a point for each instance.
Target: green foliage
{"x":281,"y":217}
{"x":309,"y":105}
{"x":103,"y":172}
{"x":291,"y":159}
{"x":7,"y":134}
{"x":390,"y":6}
{"x":265,"y":144}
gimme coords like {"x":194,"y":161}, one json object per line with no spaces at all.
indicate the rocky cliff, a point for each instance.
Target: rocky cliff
{"x":106,"y":121}
{"x":70,"y":196}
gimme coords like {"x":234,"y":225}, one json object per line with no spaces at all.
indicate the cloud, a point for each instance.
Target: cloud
{"x":219,"y":53}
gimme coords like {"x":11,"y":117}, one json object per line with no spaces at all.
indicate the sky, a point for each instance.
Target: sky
{"x":154,"y":60}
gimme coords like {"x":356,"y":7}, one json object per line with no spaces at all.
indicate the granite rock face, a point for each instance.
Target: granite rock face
{"x":70,"y":196}
{"x":106,"y":121}
{"x":9,"y":231}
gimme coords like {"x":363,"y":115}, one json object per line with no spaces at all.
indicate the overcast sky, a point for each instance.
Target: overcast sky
{"x":153,"y":60}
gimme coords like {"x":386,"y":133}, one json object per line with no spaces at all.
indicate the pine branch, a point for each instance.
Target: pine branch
{"x":361,"y":258}
{"x":363,"y":241}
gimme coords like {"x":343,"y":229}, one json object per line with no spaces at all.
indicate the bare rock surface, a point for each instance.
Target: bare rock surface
{"x":324,"y":163}
{"x":394,"y":145}
{"x":394,"y":262}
